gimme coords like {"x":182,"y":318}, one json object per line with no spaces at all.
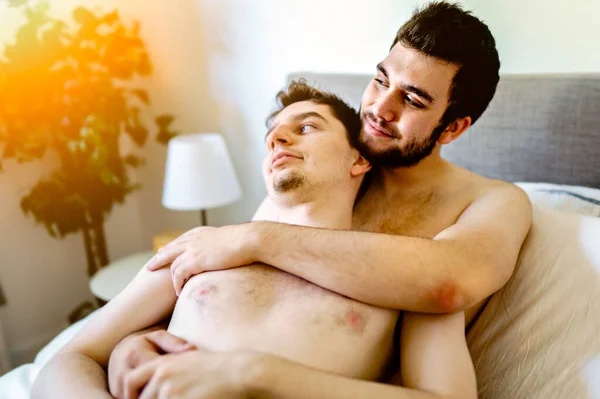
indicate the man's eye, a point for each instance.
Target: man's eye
{"x":413,"y":103}
{"x":380,"y":81}
{"x":306,"y":128}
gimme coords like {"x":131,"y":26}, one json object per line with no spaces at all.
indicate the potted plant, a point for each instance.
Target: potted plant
{"x":66,"y":88}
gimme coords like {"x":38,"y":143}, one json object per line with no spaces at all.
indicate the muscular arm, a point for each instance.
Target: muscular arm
{"x":461,"y":266}
{"x":77,"y":370}
{"x":435,"y":364}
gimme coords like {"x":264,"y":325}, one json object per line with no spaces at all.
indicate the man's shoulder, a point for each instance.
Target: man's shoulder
{"x":499,"y":200}
{"x":485,"y":187}
{"x":489,"y":198}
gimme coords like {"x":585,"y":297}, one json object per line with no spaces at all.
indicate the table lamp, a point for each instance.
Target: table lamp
{"x":199,"y":174}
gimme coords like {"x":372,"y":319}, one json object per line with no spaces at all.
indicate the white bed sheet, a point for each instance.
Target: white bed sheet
{"x":17,"y":383}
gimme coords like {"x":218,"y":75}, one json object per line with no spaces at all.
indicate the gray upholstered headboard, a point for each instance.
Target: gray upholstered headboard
{"x":538,"y":128}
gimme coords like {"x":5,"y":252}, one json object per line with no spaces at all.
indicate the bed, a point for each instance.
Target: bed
{"x":539,"y":336}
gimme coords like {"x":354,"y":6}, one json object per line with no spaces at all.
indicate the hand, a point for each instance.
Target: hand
{"x":139,"y":349}
{"x":197,"y":374}
{"x":204,"y":249}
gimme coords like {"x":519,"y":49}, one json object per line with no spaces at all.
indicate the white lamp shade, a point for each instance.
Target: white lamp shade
{"x":199,"y":173}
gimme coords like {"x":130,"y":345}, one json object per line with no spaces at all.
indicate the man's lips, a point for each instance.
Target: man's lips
{"x":281,"y":157}
{"x":375,"y":130}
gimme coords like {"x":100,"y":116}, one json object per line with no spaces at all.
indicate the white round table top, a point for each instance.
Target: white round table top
{"x":111,"y":280}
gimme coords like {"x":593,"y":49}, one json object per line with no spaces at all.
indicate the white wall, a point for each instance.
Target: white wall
{"x":218,"y":64}
{"x":543,"y":36}
{"x":45,"y":279}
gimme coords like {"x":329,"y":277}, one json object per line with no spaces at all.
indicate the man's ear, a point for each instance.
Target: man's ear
{"x":360,"y":167}
{"x":455,"y":130}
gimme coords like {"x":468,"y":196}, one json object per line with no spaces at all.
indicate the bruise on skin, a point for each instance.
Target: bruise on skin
{"x":354,"y":320}
{"x":202,"y":292}
{"x":446,"y":296}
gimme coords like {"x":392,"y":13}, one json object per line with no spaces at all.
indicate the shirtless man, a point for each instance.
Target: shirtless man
{"x":428,"y":236}
{"x":453,"y":237}
{"x":312,"y":174}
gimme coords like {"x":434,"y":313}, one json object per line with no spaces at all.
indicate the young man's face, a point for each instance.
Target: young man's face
{"x":403,"y":105}
{"x":308,"y":149}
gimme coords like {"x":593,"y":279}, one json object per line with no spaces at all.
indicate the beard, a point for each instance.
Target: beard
{"x":408,"y":155}
{"x":288,"y":182}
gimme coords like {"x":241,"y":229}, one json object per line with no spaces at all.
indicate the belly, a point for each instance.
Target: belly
{"x":263,"y":309}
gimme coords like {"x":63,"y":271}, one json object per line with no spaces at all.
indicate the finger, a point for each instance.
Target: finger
{"x":151,"y":390}
{"x":176,"y":263}
{"x":115,"y":385}
{"x":180,"y":275}
{"x":191,"y":235}
{"x":166,"y":256}
{"x":143,"y":356}
{"x":121,"y":363}
{"x":116,"y":380}
{"x":168,"y":343}
{"x":177,"y":286}
{"x":188,"y":235}
{"x":136,"y":379}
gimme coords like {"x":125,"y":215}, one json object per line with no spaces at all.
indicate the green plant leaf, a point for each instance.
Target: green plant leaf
{"x":9,"y":151}
{"x":144,"y":66}
{"x":165,"y":133}
{"x":163,"y":136}
{"x":110,"y":18}
{"x":142,"y":95}
{"x":163,"y":121}
{"x":138,"y":133}
{"x":84,"y":16}
{"x":16,"y":3}
{"x":60,"y":92}
{"x":37,"y":13}
{"x":51,"y":204}
{"x":133,"y":160}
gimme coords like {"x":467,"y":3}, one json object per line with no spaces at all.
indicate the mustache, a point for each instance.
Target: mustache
{"x":382,"y":124}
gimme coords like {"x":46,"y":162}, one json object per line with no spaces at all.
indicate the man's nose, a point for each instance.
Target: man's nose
{"x":279,"y":136}
{"x":387,"y":108}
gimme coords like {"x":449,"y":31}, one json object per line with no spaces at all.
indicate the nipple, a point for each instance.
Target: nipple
{"x":202,"y":292}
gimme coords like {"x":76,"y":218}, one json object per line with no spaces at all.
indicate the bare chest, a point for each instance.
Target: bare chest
{"x":263,"y":309}
{"x":422,"y":216}
{"x":256,"y":291}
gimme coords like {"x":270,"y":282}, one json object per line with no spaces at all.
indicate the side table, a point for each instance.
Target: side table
{"x":162,"y":239}
{"x":113,"y":278}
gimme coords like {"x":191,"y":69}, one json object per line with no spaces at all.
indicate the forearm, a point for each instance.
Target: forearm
{"x":389,"y":271}
{"x":71,"y":375}
{"x":283,"y":379}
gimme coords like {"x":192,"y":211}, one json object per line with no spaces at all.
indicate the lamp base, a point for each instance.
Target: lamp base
{"x":203,"y":217}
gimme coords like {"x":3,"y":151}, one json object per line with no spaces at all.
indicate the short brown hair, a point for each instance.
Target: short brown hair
{"x":299,"y":90}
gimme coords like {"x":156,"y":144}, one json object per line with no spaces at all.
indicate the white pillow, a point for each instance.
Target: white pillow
{"x":582,"y":200}
{"x":539,"y":336}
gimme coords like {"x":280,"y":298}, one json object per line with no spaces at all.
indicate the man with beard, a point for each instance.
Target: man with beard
{"x":427,"y":236}
{"x":245,"y":316}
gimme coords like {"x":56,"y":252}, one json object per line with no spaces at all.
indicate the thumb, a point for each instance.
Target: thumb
{"x":168,"y":343}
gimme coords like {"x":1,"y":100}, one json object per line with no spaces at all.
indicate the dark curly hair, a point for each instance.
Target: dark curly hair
{"x":444,"y":30}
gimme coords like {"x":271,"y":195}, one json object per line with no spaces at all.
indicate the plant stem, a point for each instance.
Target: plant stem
{"x":89,"y":251}
{"x":99,"y":239}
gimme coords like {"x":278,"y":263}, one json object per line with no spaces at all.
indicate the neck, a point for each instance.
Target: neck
{"x":328,"y":209}
{"x":421,"y":176}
